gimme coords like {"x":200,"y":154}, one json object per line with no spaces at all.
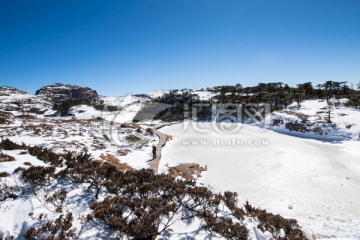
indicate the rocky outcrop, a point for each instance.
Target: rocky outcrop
{"x":15,"y":100}
{"x":9,"y":91}
{"x":298,"y":127}
{"x":64,"y":92}
{"x":315,"y":128}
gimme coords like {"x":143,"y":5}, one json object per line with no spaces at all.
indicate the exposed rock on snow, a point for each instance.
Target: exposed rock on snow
{"x":9,"y":91}
{"x":312,"y":119}
{"x":18,"y":102}
{"x":64,"y":92}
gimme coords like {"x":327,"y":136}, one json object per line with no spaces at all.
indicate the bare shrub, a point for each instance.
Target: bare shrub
{"x":9,"y":145}
{"x":57,"y":199}
{"x":46,"y":155}
{"x":225,"y":227}
{"x":93,"y":173}
{"x":4,"y":174}
{"x":9,"y":190}
{"x":145,"y":204}
{"x":58,"y":229}
{"x":39,"y":176}
{"x":19,"y":169}
{"x":143,"y":201}
{"x":230,"y":200}
{"x":3,"y":121}
{"x":274,"y":223}
{"x":74,"y":160}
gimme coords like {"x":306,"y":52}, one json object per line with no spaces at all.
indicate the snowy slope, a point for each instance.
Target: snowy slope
{"x":157,"y":93}
{"x":85,"y":131}
{"x":312,"y":118}
{"x":127,"y":106}
{"x":19,"y":102}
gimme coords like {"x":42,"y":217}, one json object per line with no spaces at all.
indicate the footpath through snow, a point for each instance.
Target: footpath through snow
{"x":161,"y":143}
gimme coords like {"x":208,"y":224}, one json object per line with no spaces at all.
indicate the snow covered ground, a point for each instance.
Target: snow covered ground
{"x":313,"y":115}
{"x":316,"y":182}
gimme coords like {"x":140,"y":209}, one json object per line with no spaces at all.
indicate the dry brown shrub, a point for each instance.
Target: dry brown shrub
{"x":58,"y":229}
{"x":274,"y":223}
{"x":130,"y":125}
{"x":4,"y":174}
{"x":6,"y":158}
{"x":132,"y":138}
{"x":302,"y":116}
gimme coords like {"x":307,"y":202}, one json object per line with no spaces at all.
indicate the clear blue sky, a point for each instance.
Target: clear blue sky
{"x":119,"y":47}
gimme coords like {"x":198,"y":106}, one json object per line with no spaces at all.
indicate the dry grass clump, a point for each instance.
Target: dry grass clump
{"x":123,"y":152}
{"x":132,"y":138}
{"x":130,"y":125}
{"x":186,"y":170}
{"x":6,"y":158}
{"x":303,"y":117}
{"x":114,"y":161}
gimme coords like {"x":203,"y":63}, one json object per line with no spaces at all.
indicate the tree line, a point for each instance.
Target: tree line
{"x":277,"y":96}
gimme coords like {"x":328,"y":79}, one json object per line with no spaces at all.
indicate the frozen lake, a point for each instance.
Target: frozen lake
{"x":316,"y":182}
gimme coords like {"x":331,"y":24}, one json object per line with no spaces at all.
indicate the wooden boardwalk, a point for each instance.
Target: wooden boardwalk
{"x":162,"y":141}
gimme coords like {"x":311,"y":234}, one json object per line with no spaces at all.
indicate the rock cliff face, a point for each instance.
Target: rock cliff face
{"x":64,"y":92}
